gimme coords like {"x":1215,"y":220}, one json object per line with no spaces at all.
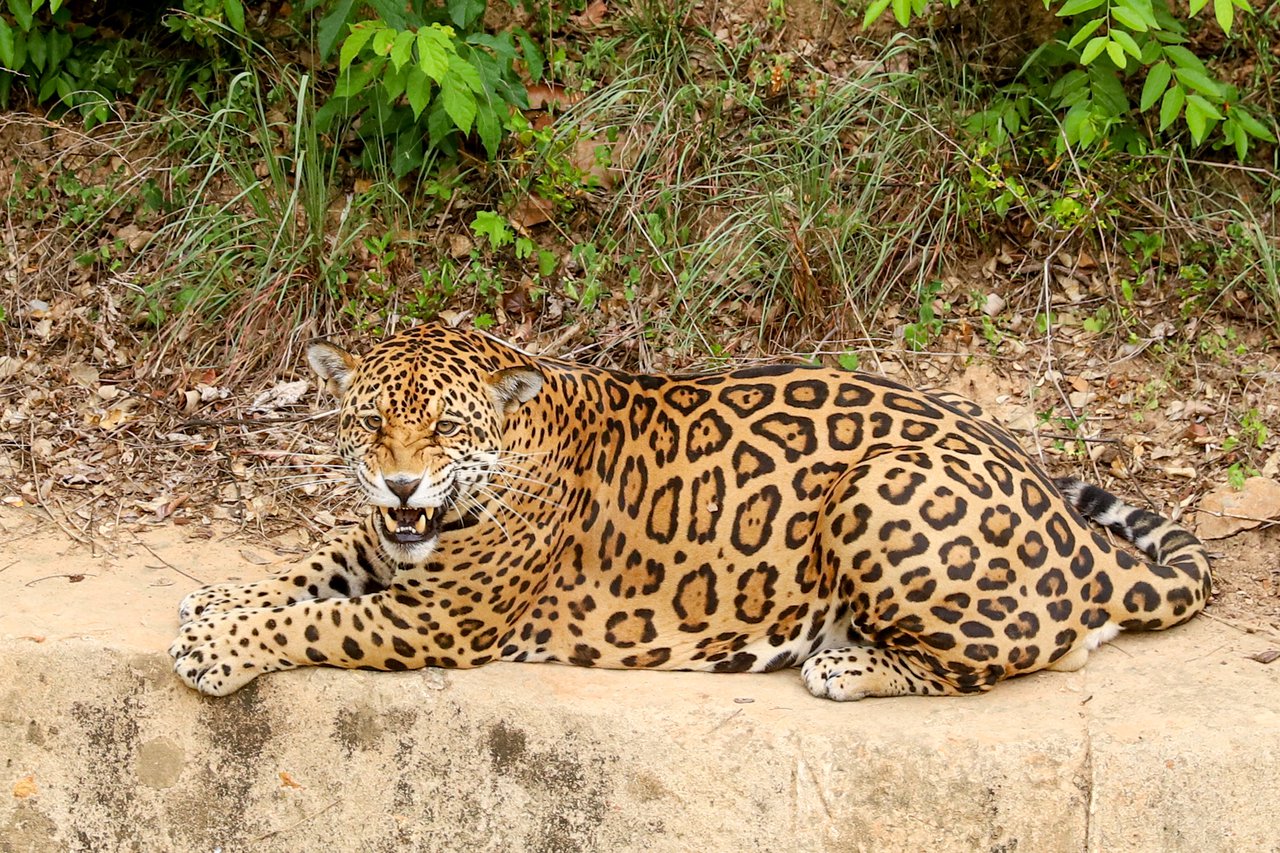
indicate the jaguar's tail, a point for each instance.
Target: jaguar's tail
{"x":1179,"y":581}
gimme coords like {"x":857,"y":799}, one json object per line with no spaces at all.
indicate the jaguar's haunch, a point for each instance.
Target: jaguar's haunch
{"x":885,"y":540}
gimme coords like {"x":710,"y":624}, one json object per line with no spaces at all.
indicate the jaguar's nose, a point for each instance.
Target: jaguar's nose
{"x":403,"y":487}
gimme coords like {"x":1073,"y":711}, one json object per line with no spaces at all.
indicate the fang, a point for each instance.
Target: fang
{"x":420,"y":524}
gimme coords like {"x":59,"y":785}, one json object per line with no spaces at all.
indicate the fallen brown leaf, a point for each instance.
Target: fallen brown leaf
{"x":1225,"y":511}
{"x":592,"y":16}
{"x":25,"y":787}
{"x":542,"y":95}
{"x":530,"y":211}
{"x":1266,"y":656}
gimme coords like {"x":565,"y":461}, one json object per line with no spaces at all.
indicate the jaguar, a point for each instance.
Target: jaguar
{"x":886,"y":541}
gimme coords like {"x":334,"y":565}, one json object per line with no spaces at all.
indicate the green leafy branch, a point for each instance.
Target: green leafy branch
{"x":1081,"y":75}
{"x":426,"y":77}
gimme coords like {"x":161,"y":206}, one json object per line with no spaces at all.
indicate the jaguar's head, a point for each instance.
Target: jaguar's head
{"x":420,"y":423}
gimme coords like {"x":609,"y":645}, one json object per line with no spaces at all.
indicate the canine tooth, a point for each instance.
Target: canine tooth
{"x":429,"y":512}
{"x":421,"y":524}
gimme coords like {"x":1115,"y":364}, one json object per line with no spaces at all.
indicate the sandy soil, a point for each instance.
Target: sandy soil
{"x":54,"y":587}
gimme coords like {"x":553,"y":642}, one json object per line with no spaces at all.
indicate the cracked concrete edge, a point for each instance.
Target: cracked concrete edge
{"x":1164,"y":742}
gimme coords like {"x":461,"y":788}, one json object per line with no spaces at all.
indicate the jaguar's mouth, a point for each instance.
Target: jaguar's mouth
{"x":409,"y":525}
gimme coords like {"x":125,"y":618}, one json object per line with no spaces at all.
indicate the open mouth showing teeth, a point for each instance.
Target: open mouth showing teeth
{"x":407,"y":525}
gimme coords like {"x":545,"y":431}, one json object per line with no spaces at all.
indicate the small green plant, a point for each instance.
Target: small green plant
{"x":494,"y":228}
{"x":594,"y":265}
{"x":1237,"y":473}
{"x":1253,"y":429}
{"x":928,"y":326}
{"x":848,"y":360}
{"x":1100,"y":320}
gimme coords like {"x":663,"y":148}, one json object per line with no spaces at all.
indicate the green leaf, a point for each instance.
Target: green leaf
{"x":1085,"y":31}
{"x":1182,"y":57}
{"x":1129,"y":18}
{"x":1171,"y":105}
{"x":465,"y":12}
{"x":354,"y":80}
{"x":1198,"y":80}
{"x":1200,"y":105}
{"x":902,"y":11}
{"x":468,"y":73}
{"x":406,"y":154}
{"x":1075,"y":119}
{"x":493,"y":226}
{"x":435,"y":47}
{"x":234,"y":13}
{"x":439,"y":125}
{"x":1075,"y":7}
{"x":1116,"y":52}
{"x":1224,"y":11}
{"x":37,"y":49}
{"x":1197,"y":121}
{"x":533,"y":59}
{"x":1197,"y":5}
{"x":1158,"y":77}
{"x":458,"y":101}
{"x":418,"y":89}
{"x":6,"y":45}
{"x":1127,"y":42}
{"x":332,"y":26}
{"x":393,"y":83}
{"x":402,"y":48}
{"x":383,"y":40}
{"x":874,"y":11}
{"x":360,"y":35}
{"x":47,"y":88}
{"x":59,"y":47}
{"x":1091,"y":50}
{"x":489,"y":129}
{"x":1233,"y":133}
{"x":21,"y":10}
{"x":1251,"y":125}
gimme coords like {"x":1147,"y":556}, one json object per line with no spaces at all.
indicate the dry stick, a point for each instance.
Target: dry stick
{"x":1242,"y":627}
{"x":65,"y":575}
{"x":167,"y":563}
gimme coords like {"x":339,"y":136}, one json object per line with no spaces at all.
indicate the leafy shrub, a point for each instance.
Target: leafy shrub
{"x":53,"y":57}
{"x":1081,"y":76}
{"x":422,"y":76}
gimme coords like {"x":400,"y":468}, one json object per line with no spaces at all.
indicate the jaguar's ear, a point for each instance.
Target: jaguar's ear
{"x":513,"y":386}
{"x":333,"y":365}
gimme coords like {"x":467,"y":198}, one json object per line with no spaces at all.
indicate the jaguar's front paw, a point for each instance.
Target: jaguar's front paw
{"x":207,"y":600}
{"x":211,"y":655}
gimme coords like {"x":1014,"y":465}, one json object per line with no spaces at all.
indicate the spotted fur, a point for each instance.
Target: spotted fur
{"x":885,"y":540}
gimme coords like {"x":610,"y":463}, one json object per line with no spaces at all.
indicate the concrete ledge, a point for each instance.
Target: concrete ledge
{"x":1168,"y":741}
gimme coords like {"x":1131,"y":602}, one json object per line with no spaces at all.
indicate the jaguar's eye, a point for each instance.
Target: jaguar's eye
{"x":447,"y":428}
{"x":372,"y":423}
